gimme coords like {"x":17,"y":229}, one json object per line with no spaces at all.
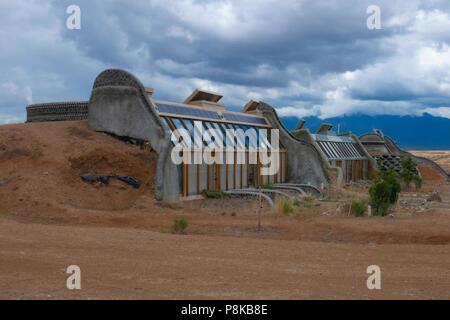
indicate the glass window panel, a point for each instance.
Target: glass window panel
{"x":263,"y":137}
{"x":333,"y":150}
{"x":219,"y":131}
{"x":177,"y":125}
{"x":340,"y":149}
{"x":357,"y":151}
{"x":209,"y":126}
{"x":351,"y":150}
{"x":240,"y":138}
{"x":327,"y":150}
{"x":253,"y":135}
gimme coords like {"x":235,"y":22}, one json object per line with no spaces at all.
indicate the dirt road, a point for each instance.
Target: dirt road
{"x":139,"y":264}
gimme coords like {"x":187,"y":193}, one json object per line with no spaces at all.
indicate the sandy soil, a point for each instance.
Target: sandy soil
{"x":121,"y":238}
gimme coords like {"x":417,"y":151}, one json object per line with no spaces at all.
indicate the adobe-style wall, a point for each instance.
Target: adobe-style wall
{"x":120,"y":105}
{"x":305,"y":165}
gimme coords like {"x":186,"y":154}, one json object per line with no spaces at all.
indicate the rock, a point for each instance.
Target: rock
{"x":434,"y":197}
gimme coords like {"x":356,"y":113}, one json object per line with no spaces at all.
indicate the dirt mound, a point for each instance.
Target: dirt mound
{"x":431,"y":176}
{"x":442,"y":157}
{"x":41,"y":164}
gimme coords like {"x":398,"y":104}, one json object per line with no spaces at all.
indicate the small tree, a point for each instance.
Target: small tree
{"x":409,"y":173}
{"x":394,"y":185}
{"x":418,"y":182}
{"x":384,"y":192}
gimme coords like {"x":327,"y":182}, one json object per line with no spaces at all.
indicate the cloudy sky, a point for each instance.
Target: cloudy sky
{"x":303,"y":57}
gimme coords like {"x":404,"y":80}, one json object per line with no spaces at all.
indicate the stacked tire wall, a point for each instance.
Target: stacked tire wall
{"x":58,"y":111}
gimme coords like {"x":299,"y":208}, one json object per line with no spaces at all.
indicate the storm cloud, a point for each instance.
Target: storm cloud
{"x":304,"y":57}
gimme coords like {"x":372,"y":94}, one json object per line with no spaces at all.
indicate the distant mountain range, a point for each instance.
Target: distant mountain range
{"x":412,"y":133}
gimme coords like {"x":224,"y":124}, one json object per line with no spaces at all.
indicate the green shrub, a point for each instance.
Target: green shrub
{"x":267,"y":186}
{"x":409,"y":173}
{"x":213,"y":194}
{"x":180,"y":225}
{"x":379,"y":197}
{"x":358,"y":207}
{"x":287,"y":206}
{"x":394,"y":185}
{"x":384,"y":192}
{"x":418,"y":182}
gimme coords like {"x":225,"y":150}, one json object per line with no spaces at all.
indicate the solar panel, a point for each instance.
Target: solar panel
{"x":323,"y":137}
{"x":185,"y":111}
{"x":242,"y":118}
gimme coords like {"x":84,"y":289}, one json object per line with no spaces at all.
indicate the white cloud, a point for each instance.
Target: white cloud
{"x":297,"y":111}
{"x":178,"y":32}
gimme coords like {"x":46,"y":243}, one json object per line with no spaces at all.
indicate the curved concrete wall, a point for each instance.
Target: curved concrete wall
{"x":305,"y":165}
{"x":120,"y":105}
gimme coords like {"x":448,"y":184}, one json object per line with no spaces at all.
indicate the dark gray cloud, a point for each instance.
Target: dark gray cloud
{"x":305,"y":57}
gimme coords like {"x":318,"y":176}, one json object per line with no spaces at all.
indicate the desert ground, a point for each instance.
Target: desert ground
{"x":121,"y":237}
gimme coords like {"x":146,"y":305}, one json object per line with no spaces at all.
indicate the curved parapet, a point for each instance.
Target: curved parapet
{"x":120,"y":105}
{"x":305,"y":165}
{"x":118,"y":91}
